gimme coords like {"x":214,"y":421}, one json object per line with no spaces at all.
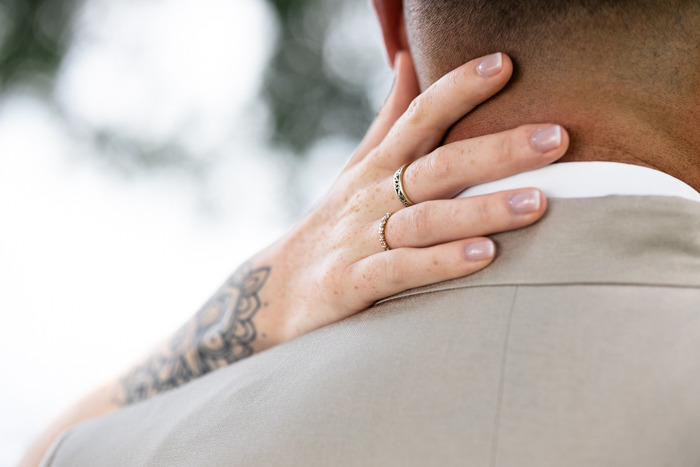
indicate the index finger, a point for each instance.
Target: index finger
{"x":421,"y":128}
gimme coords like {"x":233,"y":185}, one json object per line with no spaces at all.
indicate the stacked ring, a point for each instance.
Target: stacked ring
{"x":398,"y":186}
{"x":382,"y":227}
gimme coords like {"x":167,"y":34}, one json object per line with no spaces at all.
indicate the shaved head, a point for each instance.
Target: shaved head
{"x":623,"y":76}
{"x":545,"y":35}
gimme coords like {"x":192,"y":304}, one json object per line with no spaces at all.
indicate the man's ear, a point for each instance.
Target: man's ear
{"x":391,"y":20}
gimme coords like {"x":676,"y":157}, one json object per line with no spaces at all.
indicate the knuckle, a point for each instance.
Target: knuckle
{"x":354,"y":273}
{"x":394,"y":272}
{"x":518,"y":143}
{"x":374,"y":164}
{"x":457,"y":78}
{"x":451,"y":81}
{"x":484,"y":211}
{"x":415,"y":114}
{"x":377,"y":153}
{"x":462,"y":82}
{"x":354,"y":204}
{"x":437,"y":165}
{"x":505,"y":146}
{"x":348,"y":206}
{"x":419,"y":220}
{"x":521,"y":139}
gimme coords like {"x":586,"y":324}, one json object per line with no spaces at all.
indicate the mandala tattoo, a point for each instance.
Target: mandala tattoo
{"x":219,"y":334}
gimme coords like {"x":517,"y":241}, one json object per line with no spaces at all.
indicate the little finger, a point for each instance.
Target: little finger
{"x":394,"y":271}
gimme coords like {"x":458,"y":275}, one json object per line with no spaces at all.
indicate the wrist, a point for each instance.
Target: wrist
{"x":271,"y":323}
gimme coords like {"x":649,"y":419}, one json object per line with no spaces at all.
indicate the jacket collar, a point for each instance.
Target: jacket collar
{"x":634,"y":240}
{"x":591,"y":180}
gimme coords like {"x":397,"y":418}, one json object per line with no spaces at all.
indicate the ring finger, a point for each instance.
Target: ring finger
{"x":436,"y":222}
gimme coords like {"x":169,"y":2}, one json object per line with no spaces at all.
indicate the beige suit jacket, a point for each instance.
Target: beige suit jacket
{"x":579,"y":346}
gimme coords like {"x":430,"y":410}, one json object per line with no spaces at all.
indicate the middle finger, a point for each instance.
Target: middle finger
{"x":452,"y":168}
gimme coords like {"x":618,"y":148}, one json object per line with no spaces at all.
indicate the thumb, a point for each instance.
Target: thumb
{"x":404,"y":90}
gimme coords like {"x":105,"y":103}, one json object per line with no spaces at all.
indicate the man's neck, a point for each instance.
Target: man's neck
{"x":614,"y":125}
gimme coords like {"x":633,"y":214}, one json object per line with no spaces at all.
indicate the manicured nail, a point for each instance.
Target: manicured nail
{"x":490,"y":65}
{"x":525,"y":202}
{"x":480,"y":251}
{"x":547,"y":139}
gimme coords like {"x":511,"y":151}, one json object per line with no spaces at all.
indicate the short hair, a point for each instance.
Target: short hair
{"x":446,"y":33}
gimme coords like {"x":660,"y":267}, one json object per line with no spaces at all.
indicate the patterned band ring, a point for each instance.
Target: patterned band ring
{"x":398,"y":186}
{"x":382,"y":227}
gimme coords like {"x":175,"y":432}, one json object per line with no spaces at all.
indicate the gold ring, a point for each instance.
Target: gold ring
{"x":382,"y":226}
{"x":398,"y":186}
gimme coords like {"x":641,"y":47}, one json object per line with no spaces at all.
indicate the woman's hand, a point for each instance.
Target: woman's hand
{"x":332,"y":264}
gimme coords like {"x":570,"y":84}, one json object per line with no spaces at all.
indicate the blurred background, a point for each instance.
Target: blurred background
{"x":147,"y":147}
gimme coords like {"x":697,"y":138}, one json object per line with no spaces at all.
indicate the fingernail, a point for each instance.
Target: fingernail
{"x":525,"y":202}
{"x":490,"y":65}
{"x":480,"y":251}
{"x":547,"y":139}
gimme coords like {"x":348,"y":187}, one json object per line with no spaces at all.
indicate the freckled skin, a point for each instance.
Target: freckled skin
{"x":331,"y":265}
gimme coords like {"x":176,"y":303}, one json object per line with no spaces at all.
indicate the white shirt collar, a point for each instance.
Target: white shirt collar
{"x":591,"y":180}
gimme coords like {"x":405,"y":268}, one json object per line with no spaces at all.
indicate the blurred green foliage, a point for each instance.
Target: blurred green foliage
{"x":34,"y":37}
{"x":306,"y":102}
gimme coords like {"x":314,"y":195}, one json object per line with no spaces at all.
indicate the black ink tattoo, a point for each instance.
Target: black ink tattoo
{"x":222,"y":332}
